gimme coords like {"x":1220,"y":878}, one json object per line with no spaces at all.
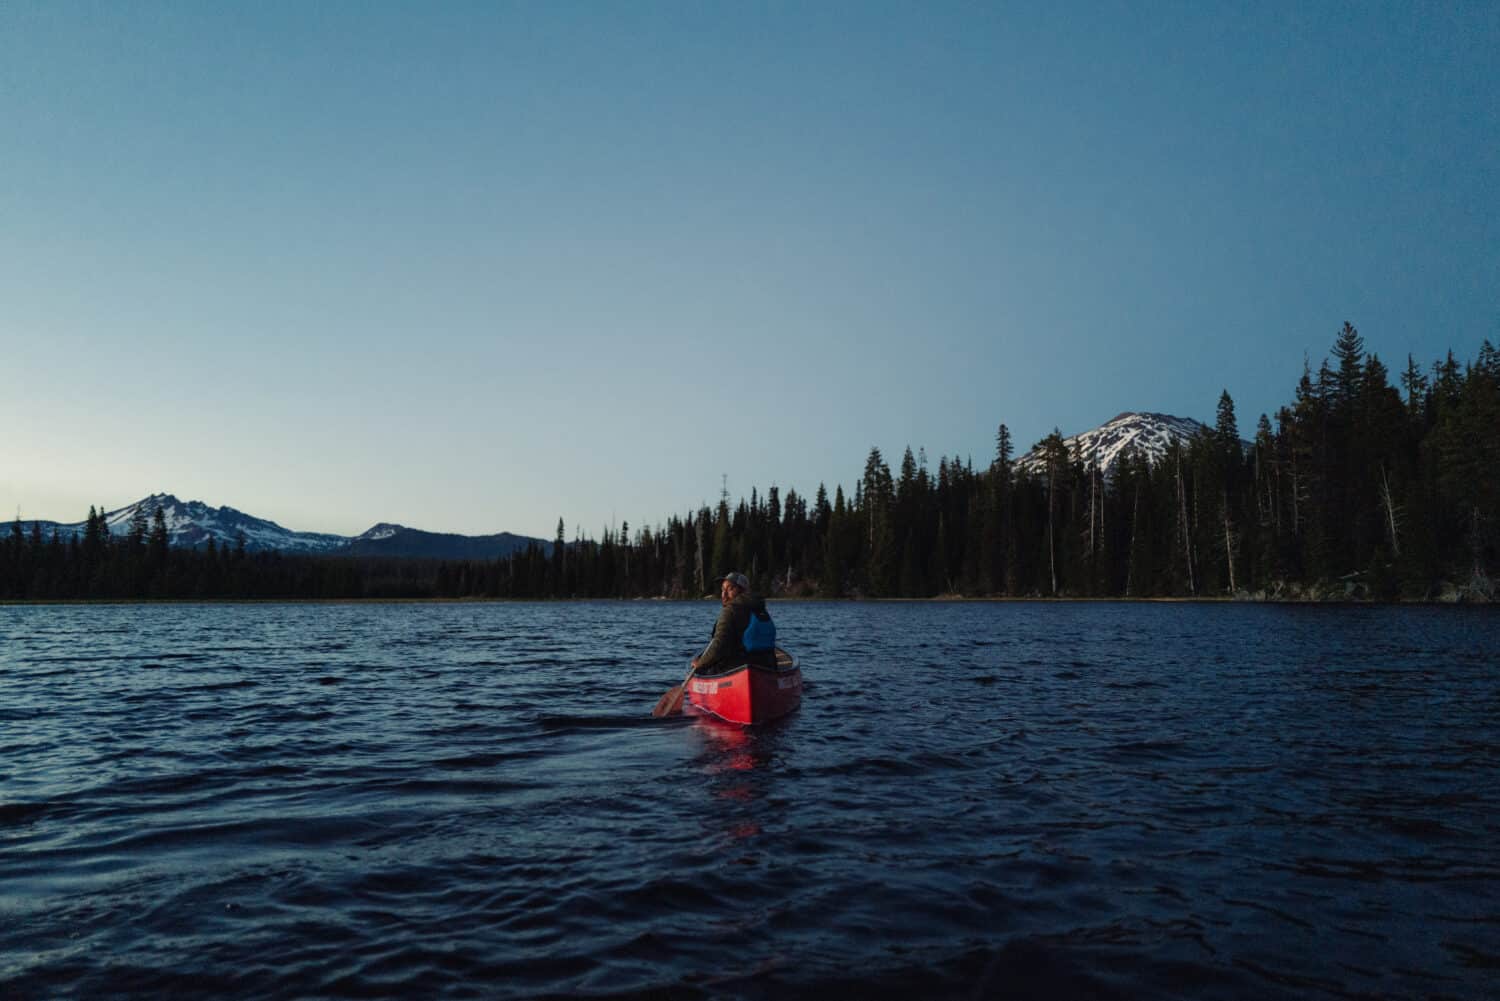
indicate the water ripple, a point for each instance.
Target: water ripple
{"x":1020,"y":801}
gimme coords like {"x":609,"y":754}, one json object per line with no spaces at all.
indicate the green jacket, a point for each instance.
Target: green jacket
{"x":727,"y":648}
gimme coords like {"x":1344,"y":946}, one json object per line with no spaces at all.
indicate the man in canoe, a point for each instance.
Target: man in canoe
{"x":743,"y":633}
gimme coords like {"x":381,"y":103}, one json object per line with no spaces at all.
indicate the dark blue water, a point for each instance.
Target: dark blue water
{"x":976,"y":800}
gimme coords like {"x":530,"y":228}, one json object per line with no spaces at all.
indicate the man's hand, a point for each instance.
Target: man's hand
{"x":694,"y":663}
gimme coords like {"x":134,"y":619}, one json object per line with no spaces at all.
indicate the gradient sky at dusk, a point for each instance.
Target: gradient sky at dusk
{"x":472,"y":267}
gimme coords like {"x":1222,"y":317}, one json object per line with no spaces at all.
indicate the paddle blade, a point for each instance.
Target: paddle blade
{"x":670,"y":704}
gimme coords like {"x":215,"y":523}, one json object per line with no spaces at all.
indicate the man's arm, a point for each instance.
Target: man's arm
{"x":715,"y":648}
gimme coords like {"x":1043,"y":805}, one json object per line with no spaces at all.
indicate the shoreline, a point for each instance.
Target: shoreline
{"x":941,"y":599}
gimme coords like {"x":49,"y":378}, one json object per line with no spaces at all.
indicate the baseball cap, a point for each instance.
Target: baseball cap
{"x":739,"y":580}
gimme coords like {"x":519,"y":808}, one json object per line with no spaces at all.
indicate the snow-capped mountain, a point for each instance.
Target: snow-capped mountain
{"x":1151,"y":434}
{"x":193,"y":523}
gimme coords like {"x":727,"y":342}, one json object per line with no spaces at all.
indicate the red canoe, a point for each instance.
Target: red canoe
{"x":749,"y":693}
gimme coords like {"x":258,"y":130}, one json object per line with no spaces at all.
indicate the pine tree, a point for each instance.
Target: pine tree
{"x":1226,"y":463}
{"x":559,"y":571}
{"x":136,"y":537}
{"x":1001,"y":518}
{"x":1349,"y":349}
{"x":1266,"y":479}
{"x":1055,"y":461}
{"x":878,"y":500}
{"x":834,"y":558}
{"x":1416,"y":385}
{"x":95,"y":542}
{"x":159,"y":539}
{"x":700,"y":528}
{"x":1004,"y":449}
{"x":722,"y":554}
{"x":1226,"y":428}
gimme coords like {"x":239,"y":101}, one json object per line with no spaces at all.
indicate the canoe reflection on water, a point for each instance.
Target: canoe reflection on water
{"x":736,"y":762}
{"x":733,"y":747}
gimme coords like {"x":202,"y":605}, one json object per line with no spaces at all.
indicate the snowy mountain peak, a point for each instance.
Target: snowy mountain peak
{"x":119,"y":519}
{"x":193,"y":523}
{"x":1149,"y":433}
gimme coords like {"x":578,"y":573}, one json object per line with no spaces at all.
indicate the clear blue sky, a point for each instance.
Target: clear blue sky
{"x":471,"y":267}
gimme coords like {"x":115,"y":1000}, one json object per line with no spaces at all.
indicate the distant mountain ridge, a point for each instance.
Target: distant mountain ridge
{"x":193,"y":523}
{"x":1151,"y":434}
{"x":386,"y":539}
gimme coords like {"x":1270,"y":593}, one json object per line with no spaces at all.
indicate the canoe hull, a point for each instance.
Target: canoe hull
{"x":749,"y":694}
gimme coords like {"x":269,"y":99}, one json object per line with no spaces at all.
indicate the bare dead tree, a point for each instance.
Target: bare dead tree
{"x":1229,"y":544}
{"x":1392,"y":514}
{"x":1182,"y":518}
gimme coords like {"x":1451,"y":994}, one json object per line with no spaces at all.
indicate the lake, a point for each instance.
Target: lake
{"x":1047,"y":800}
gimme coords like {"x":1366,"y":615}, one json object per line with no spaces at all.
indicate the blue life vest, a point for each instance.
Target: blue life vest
{"x":760,"y":634}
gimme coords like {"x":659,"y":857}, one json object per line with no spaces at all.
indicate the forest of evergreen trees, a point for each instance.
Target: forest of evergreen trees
{"x":1353,"y":489}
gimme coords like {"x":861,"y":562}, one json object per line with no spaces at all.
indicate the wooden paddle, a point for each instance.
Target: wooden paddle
{"x":670,"y":704}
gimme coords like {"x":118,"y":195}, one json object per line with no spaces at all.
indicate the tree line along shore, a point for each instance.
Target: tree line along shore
{"x":1355,"y":489}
